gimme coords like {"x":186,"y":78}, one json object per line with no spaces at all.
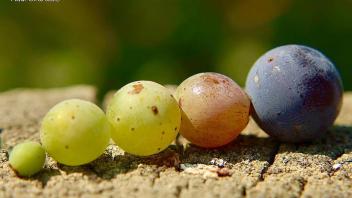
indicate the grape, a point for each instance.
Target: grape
{"x":172,"y":88}
{"x":214,"y":109}
{"x":296,"y":93}
{"x":75,"y":132}
{"x":145,"y":118}
{"x":27,"y":158}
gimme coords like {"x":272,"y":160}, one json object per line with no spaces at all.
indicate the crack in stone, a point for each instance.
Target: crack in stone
{"x":156,"y":177}
{"x":179,"y":189}
{"x":271,"y":160}
{"x":303,"y":183}
{"x":244,"y":191}
{"x":261,"y":178}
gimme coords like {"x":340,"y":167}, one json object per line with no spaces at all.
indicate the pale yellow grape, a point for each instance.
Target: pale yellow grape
{"x":27,"y":158}
{"x":75,"y":132}
{"x":145,"y":118}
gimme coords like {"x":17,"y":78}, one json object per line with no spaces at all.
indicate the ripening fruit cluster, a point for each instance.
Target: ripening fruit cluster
{"x":293,"y":92}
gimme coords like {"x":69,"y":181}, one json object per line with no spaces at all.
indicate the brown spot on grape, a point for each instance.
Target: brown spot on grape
{"x":118,"y":119}
{"x":73,"y":117}
{"x":210,"y":79}
{"x":137,"y":88}
{"x":175,"y":128}
{"x":155,"y":110}
{"x":66,"y":147}
{"x":159,"y":149}
{"x":130,"y":107}
{"x":270,"y":59}
{"x":163,"y":132}
{"x":132,"y":129}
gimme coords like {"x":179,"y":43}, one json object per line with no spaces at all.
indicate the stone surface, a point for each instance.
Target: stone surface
{"x":254,"y":165}
{"x":21,"y":110}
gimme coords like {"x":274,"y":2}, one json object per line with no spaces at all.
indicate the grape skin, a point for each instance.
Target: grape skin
{"x":27,"y":158}
{"x":75,"y":132}
{"x":145,"y":118}
{"x":296,"y":93}
{"x":214,"y":109}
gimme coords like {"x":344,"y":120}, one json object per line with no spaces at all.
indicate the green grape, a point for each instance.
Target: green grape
{"x":75,"y":132}
{"x":145,"y":118}
{"x":27,"y":158}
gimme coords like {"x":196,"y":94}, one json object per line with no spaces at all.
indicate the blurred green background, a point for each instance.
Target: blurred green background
{"x":111,"y":43}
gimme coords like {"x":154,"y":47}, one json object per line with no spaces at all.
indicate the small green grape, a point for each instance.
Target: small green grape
{"x":75,"y":132}
{"x":145,"y":118}
{"x":27,"y":158}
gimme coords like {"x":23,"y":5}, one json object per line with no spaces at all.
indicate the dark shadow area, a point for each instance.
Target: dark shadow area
{"x":42,"y":176}
{"x":318,"y":155}
{"x":245,"y":147}
{"x":336,"y":142}
{"x":108,"y":166}
{"x":45,"y":175}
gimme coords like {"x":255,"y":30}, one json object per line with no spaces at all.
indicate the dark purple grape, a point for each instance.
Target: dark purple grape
{"x":296,"y":93}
